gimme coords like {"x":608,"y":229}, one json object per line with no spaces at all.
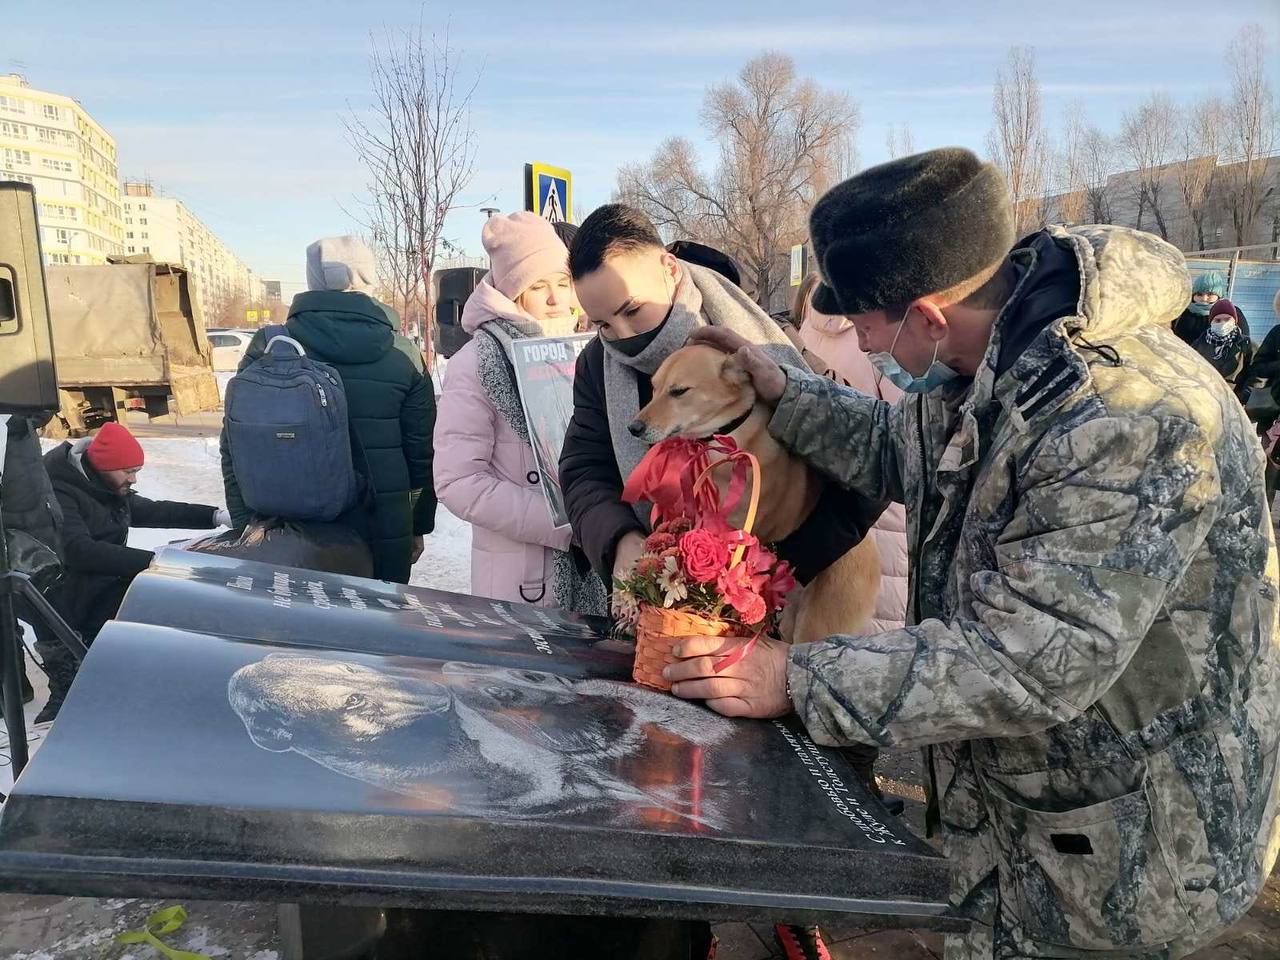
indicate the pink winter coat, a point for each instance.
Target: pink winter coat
{"x":834,"y":342}
{"x":485,"y":474}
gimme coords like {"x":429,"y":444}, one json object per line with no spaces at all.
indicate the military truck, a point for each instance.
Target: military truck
{"x":130,"y":343}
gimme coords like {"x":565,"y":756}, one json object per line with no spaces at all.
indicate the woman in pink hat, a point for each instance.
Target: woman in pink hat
{"x":485,"y":470}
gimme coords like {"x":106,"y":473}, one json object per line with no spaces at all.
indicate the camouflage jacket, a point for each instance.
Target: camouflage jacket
{"x":1093,"y":661}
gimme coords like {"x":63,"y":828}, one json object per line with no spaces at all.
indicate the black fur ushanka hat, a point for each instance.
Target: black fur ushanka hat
{"x":907,"y":228}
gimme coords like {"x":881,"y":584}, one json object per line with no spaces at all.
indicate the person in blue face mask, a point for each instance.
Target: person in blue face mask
{"x":1206,"y":289}
{"x":1090,"y":655}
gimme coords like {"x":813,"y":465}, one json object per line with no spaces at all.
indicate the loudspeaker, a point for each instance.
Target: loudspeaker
{"x":449,"y":335}
{"x":457,"y":283}
{"x":28,"y":381}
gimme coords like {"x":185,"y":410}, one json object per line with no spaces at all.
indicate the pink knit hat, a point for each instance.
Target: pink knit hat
{"x":523,"y":248}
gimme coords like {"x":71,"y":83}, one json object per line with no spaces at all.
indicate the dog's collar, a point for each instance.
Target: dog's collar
{"x":732,"y":425}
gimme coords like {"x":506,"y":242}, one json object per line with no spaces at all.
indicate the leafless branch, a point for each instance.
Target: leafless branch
{"x":1147,"y":136}
{"x":1200,"y":146}
{"x":419,"y":150}
{"x":1251,"y":131}
{"x":781,"y":140}
{"x":1017,"y":141}
{"x":900,"y":142}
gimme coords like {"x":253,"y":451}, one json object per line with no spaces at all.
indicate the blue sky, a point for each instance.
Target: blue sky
{"x":235,"y":107}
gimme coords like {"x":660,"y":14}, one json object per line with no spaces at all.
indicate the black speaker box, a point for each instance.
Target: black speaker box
{"x":457,"y":283}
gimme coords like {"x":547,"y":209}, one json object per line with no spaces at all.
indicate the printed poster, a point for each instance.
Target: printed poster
{"x":544,"y":369}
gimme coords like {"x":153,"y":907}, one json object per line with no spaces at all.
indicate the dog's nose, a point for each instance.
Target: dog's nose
{"x":635,"y":427}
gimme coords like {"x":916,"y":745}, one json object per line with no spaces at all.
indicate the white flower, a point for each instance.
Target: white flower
{"x":671,"y":583}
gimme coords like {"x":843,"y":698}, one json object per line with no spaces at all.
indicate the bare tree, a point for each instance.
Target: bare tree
{"x":782,"y":142}
{"x":1097,"y":157}
{"x":1147,"y":136}
{"x":419,"y":150}
{"x":1017,"y":141}
{"x":1200,"y":147}
{"x":1251,"y":130}
{"x":900,"y":142}
{"x":1070,"y":179}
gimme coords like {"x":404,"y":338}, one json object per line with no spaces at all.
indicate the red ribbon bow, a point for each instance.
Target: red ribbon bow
{"x":667,"y":478}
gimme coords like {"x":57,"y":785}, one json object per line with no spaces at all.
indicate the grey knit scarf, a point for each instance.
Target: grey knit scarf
{"x":573,"y":590}
{"x":703,"y":297}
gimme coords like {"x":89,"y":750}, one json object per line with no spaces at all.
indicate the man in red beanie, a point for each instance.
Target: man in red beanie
{"x":93,"y":480}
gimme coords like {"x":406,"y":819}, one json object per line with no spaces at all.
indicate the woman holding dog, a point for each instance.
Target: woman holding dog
{"x":485,"y":470}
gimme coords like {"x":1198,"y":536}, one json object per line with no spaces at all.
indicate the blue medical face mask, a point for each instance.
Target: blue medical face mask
{"x":934,"y":377}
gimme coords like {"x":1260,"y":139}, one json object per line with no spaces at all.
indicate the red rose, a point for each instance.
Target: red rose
{"x":704,"y":555}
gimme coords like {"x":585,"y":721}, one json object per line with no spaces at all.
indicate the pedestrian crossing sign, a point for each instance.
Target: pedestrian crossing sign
{"x":548,"y":192}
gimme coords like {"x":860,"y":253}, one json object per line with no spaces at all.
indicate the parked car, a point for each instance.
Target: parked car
{"x":228,"y":348}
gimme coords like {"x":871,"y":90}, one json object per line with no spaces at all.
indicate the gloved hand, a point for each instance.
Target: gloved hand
{"x":221,"y":518}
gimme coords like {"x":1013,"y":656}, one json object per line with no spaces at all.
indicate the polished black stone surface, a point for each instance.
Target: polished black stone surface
{"x":368,"y":752}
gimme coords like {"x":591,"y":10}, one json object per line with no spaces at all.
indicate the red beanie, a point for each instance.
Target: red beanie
{"x":114,"y":448}
{"x":1221,"y":307}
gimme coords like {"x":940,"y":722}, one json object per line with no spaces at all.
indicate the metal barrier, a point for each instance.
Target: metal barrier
{"x":1251,"y":286}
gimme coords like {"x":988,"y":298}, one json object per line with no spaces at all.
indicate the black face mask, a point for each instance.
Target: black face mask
{"x":634,"y":346}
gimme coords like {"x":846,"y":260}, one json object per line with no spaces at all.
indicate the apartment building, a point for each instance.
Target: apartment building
{"x":166,"y":229}
{"x":50,"y":140}
{"x":1121,"y":201}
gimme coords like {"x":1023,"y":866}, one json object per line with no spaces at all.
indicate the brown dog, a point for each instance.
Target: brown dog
{"x":699,"y":391}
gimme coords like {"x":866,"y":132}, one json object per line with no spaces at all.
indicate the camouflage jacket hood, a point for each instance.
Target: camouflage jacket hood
{"x":1092,"y":662}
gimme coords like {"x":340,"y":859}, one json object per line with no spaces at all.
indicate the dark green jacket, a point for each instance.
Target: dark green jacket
{"x":392,"y":408}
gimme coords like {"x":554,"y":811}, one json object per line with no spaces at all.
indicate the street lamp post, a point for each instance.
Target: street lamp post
{"x":489,"y":212}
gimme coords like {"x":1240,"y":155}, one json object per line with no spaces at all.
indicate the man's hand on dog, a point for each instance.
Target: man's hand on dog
{"x":766,"y":376}
{"x":755,"y":686}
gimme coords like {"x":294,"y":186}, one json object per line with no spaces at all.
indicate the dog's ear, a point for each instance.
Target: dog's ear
{"x":732,"y":371}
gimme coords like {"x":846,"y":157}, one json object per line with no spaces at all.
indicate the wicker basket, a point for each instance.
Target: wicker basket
{"x":657,"y":632}
{"x":659,"y":628}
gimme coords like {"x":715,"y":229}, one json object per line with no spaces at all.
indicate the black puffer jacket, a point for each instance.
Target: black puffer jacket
{"x":1231,"y":357}
{"x":391,"y":405}
{"x":29,"y":503}
{"x":95,"y":532}
{"x":1264,"y":370}
{"x":593,"y":488}
{"x":1190,"y":327}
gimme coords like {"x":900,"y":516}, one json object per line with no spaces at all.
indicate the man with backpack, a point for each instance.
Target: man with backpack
{"x":330,"y":417}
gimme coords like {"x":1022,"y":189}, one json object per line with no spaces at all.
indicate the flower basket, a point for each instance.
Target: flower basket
{"x":698,"y":575}
{"x":657,"y":630}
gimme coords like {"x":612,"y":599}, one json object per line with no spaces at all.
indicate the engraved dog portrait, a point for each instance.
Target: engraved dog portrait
{"x":486,"y":740}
